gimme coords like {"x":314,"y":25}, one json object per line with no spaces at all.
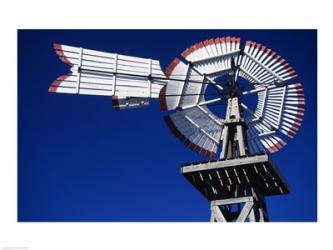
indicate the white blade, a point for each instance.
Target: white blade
{"x":213,"y":57}
{"x":185,"y":87}
{"x":198,"y":129}
{"x":262,"y":65}
{"x":278,"y":109}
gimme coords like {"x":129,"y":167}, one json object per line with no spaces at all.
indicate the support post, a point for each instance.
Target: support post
{"x":233,"y":141}
{"x":240,"y":209}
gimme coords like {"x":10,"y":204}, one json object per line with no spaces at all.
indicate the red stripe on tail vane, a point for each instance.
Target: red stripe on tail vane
{"x":54,"y":86}
{"x":52,"y":89}
{"x":60,"y":53}
{"x":57,"y":46}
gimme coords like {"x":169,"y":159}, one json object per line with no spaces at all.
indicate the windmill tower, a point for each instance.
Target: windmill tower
{"x":238,"y":180}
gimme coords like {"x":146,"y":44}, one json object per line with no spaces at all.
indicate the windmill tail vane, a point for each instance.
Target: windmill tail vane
{"x":130,"y":81}
{"x":183,"y":94}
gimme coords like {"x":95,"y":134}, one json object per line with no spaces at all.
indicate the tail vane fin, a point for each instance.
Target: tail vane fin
{"x":134,"y":79}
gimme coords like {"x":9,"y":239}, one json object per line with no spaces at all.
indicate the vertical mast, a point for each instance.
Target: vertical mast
{"x":233,"y":141}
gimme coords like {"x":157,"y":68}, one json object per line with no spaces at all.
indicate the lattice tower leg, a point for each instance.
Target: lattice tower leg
{"x":240,"y":209}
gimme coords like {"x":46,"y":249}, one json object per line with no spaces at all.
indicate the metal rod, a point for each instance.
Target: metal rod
{"x":208,"y":94}
{"x":152,"y":77}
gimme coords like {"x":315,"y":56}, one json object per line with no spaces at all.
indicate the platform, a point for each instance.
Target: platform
{"x":232,"y":178}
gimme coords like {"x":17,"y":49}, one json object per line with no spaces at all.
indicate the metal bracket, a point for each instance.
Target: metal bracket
{"x":79,"y":71}
{"x":115,"y":73}
{"x":149,"y":76}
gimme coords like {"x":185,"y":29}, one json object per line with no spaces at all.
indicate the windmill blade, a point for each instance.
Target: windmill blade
{"x":182,"y":89}
{"x":213,"y":57}
{"x":197,"y":128}
{"x":262,"y":65}
{"x":131,"y":81}
{"x":278,"y":110}
{"x":282,"y":108}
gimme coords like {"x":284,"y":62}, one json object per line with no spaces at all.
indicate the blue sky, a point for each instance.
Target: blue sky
{"x":80,"y":160}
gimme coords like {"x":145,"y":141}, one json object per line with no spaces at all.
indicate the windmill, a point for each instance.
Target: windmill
{"x":216,"y":72}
